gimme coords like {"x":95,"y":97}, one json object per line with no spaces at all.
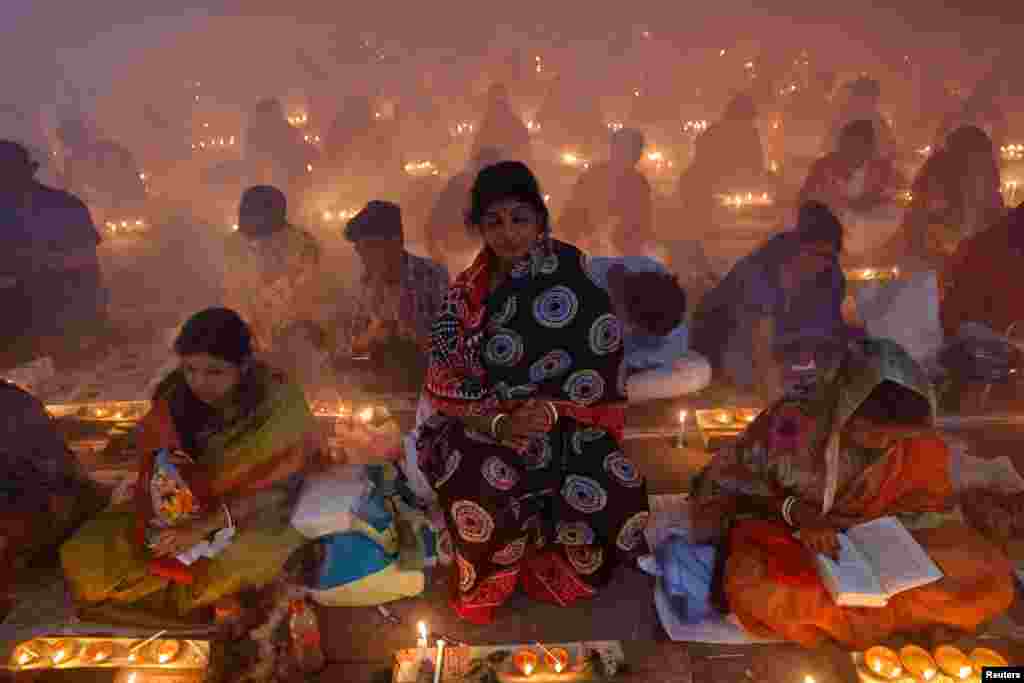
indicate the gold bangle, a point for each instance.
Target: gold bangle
{"x":495,"y":421}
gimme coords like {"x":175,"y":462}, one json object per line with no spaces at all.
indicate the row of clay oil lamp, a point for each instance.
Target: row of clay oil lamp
{"x":722,"y":417}
{"x":1012,"y":152}
{"x":71,"y":652}
{"x":343,"y":409}
{"x":742,"y":200}
{"x":944,"y":665}
{"x":528,"y":662}
{"x":421,"y":169}
{"x":870,"y":274}
{"x":125,"y":227}
{"x":112,"y":412}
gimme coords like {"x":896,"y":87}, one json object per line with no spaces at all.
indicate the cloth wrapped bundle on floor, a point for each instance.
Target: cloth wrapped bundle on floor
{"x":383,"y":556}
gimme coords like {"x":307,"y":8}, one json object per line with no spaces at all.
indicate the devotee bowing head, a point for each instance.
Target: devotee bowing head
{"x":215,"y":346}
{"x":627,"y":147}
{"x":651,"y":301}
{"x":820,"y":237}
{"x":857,"y":143}
{"x":262,"y":211}
{"x":379,"y":240}
{"x":17,"y":170}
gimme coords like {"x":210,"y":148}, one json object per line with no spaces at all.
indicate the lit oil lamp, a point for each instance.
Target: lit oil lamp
{"x":953,"y":662}
{"x":64,"y":651}
{"x":918,"y":663}
{"x":982,"y":656}
{"x":97,"y":653}
{"x":366,"y":415}
{"x":724,"y":417}
{"x":884,"y":662}
{"x":526,"y":662}
{"x":556,"y":659}
{"x":167,"y":651}
{"x":29,"y":653}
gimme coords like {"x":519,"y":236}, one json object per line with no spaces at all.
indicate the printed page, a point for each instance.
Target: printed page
{"x":899,"y":561}
{"x":851,"y":580}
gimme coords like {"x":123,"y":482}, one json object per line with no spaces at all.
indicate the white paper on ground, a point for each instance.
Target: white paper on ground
{"x":719,"y":629}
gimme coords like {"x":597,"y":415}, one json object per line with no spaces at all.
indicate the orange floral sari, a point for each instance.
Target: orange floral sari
{"x":770,"y":580}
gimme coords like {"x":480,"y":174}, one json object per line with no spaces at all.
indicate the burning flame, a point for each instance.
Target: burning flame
{"x":1013,"y":152}
{"x":421,"y":168}
{"x":366,"y":414}
{"x":422,"y":628}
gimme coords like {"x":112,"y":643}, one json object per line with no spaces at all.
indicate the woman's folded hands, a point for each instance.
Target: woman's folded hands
{"x":530,"y":420}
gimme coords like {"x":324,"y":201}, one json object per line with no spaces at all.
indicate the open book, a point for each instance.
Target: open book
{"x":877,"y":560}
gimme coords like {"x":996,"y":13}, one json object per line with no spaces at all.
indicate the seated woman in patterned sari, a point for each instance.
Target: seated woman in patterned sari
{"x":246,"y":435}
{"x":862,"y":448}
{"x":527,"y":377}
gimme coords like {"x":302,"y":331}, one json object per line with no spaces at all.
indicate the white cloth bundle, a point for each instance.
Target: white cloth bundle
{"x":906,"y":311}
{"x":328,"y":499}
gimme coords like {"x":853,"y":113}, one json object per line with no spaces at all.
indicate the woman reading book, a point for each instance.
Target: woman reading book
{"x":222,"y":453}
{"x":859,"y":448}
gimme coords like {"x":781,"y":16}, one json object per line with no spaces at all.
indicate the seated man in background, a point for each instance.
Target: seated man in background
{"x":272,"y":276}
{"x":447,"y":238}
{"x":983,"y":277}
{"x":44,"y":492}
{"x":781,"y":302}
{"x":652,"y":306}
{"x":613,"y":200}
{"x":50,"y":284}
{"x":401,"y":294}
{"x":855,"y":177}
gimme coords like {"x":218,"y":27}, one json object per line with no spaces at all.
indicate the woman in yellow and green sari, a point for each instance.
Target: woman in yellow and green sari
{"x":244,"y":436}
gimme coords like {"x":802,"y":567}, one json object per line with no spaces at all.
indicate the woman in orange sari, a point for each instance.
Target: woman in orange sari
{"x":861,"y":448}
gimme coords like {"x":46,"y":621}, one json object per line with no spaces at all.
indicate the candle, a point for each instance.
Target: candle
{"x":982,"y":656}
{"x":884,"y":662}
{"x":422,"y":641}
{"x":918,"y":663}
{"x":440,"y":662}
{"x":681,"y":439}
{"x":526,"y":661}
{"x":953,"y":661}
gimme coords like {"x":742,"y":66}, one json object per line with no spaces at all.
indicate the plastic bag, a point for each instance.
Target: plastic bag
{"x":173,"y":500}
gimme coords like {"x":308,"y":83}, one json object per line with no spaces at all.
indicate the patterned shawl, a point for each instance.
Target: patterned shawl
{"x":795,"y":448}
{"x":457,"y":382}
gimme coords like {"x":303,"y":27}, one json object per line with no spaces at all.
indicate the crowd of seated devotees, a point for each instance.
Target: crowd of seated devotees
{"x":530,"y":355}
